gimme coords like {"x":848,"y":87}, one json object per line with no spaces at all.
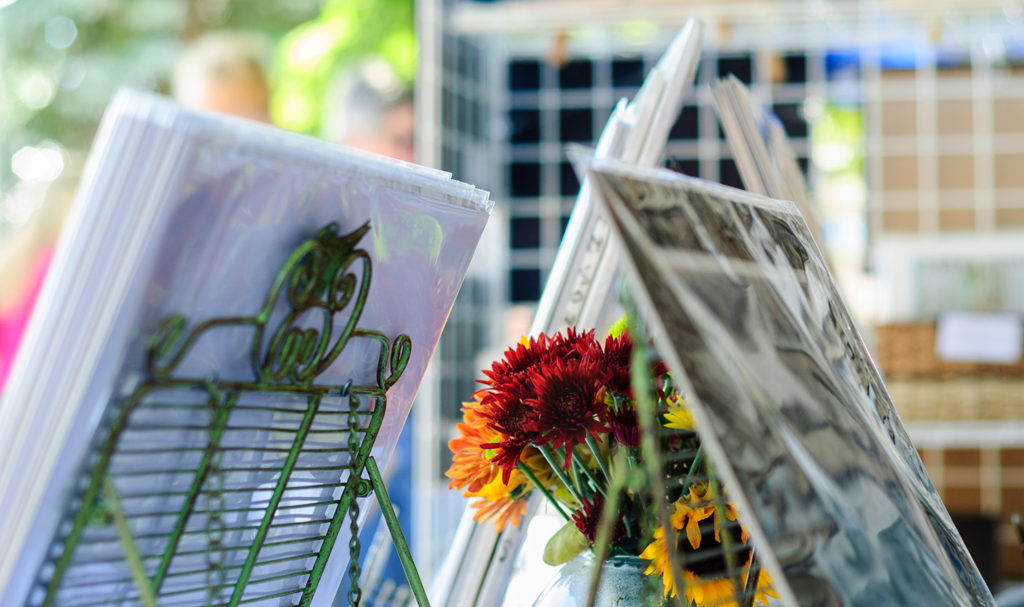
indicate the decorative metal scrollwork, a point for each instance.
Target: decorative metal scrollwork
{"x":235,"y":489}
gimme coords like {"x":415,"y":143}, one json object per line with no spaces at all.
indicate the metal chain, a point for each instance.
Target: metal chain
{"x":354,"y":479}
{"x":215,"y":523}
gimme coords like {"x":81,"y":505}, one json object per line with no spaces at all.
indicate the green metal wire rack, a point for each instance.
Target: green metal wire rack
{"x":209,"y":491}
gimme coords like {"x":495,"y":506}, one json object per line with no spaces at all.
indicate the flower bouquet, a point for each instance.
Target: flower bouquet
{"x":601,"y":432}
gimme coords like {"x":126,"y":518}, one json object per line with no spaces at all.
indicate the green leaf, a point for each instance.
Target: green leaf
{"x":564,"y":545}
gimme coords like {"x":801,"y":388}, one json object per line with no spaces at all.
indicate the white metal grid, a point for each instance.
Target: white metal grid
{"x":545,"y":107}
{"x":452,"y":133}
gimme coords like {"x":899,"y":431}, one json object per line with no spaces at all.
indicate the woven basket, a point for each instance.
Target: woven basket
{"x":908,"y":350}
{"x":958,"y":399}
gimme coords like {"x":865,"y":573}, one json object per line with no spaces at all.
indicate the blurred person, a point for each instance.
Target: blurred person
{"x":370,"y":108}
{"x":219,"y":71}
{"x":224,"y":72}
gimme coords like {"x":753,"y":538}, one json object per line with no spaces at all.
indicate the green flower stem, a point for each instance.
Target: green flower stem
{"x":599,"y":487}
{"x":726,"y":535}
{"x":606,"y":527}
{"x":556,"y":467}
{"x":536,"y":483}
{"x":698,"y":459}
{"x":573,"y":476}
{"x":753,"y":577}
{"x":646,"y":414}
{"x":572,"y":473}
{"x":596,"y":450}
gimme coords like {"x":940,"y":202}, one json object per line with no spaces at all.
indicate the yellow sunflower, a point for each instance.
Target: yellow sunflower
{"x":705,"y":582}
{"x":678,"y":416}
{"x":657,"y":553}
{"x":720,"y":592}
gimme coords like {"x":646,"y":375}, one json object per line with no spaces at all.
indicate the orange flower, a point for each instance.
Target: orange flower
{"x":502,"y":504}
{"x":472,"y":470}
{"x":471,"y":467}
{"x":505,"y":504}
{"x":502,"y":511}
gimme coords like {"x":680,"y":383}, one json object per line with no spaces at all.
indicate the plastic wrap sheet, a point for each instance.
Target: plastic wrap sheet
{"x":788,"y":402}
{"x":195,"y":214}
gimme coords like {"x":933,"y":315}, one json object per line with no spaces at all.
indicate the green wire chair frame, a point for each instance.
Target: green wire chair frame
{"x":321,"y":278}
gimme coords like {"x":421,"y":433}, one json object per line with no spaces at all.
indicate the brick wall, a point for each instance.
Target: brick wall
{"x":987,"y":482}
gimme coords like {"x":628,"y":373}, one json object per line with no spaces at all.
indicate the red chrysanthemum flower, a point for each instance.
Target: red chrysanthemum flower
{"x":574,"y":345}
{"x":570,"y":395}
{"x":514,"y":419}
{"x":624,"y":425}
{"x":618,"y":353}
{"x":508,"y":378}
{"x":511,"y":374}
{"x":588,"y":519}
{"x":510,"y":402}
{"x":618,"y":356}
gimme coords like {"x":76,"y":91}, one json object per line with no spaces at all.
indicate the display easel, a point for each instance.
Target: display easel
{"x":212,"y":491}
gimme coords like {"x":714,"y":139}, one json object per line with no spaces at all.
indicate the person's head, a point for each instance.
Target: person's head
{"x":223,"y":72}
{"x":369,"y":107}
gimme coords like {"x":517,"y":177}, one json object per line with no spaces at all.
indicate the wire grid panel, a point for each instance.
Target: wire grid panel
{"x":466,"y":151}
{"x":544,"y":106}
{"x":169,"y":460}
{"x":474,"y":325}
{"x":223,"y":492}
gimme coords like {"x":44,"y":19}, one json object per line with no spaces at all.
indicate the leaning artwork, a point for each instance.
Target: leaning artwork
{"x":788,"y":402}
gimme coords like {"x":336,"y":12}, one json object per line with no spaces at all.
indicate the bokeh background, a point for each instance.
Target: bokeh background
{"x":60,"y":61}
{"x":907,"y":117}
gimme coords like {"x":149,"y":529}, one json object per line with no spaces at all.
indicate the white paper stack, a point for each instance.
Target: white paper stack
{"x":190,"y":214}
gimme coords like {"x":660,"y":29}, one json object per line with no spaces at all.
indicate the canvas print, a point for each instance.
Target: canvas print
{"x":788,"y":402}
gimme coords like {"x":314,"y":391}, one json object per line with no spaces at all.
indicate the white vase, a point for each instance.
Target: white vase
{"x":622,"y":584}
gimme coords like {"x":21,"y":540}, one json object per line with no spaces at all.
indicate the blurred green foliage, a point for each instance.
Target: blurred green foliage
{"x":838,"y":140}
{"x":61,"y":60}
{"x":311,"y":54}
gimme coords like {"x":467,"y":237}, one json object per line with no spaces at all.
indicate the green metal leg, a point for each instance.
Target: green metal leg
{"x":404,"y":554}
{"x":131,"y":553}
